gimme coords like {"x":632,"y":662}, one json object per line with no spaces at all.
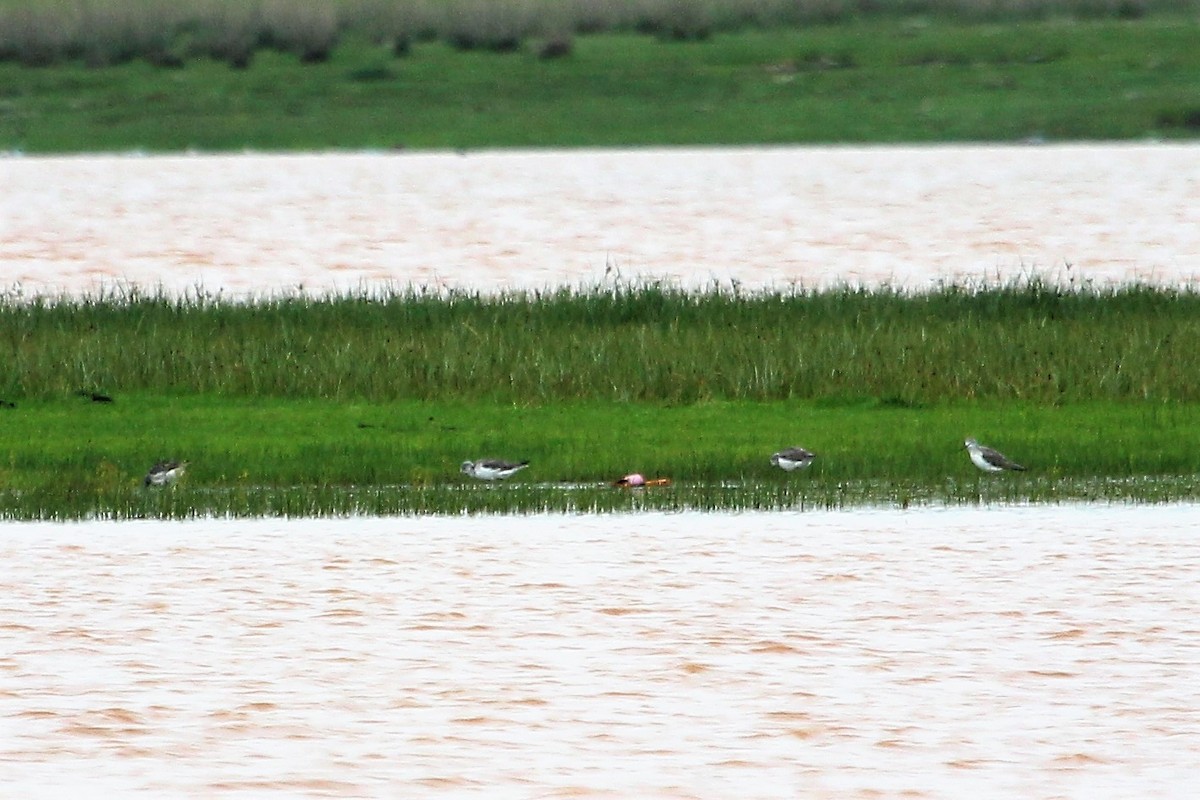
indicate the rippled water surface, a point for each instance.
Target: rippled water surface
{"x":1011,"y":652}
{"x":1016,"y":652}
{"x":911,"y":216}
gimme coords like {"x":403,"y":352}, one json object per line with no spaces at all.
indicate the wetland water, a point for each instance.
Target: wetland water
{"x":932,"y":653}
{"x":909,"y":216}
{"x":1002,"y":652}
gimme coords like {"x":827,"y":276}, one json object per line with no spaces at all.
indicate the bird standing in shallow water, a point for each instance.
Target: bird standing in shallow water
{"x":793,"y":458}
{"x":989,"y":460}
{"x":492,"y":469}
{"x":164,"y":473}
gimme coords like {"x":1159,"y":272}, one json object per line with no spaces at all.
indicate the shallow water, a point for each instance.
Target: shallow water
{"x":909,"y":216}
{"x":983,"y":652}
{"x":986,"y":652}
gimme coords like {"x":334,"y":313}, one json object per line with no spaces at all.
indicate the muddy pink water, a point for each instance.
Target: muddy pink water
{"x":1025,"y":653}
{"x":253,"y":224}
{"x":1002,"y":652}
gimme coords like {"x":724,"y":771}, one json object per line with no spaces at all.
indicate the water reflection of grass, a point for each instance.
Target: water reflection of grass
{"x":369,"y":404}
{"x":185,"y":502}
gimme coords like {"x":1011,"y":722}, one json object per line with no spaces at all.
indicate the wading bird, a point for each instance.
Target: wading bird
{"x":164,"y":473}
{"x":989,"y":460}
{"x":793,"y":458}
{"x":492,"y":469}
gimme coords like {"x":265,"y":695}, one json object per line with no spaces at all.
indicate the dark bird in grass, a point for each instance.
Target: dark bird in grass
{"x":95,"y":397}
{"x":7,"y":404}
{"x":492,"y":469}
{"x":792,"y":458}
{"x":164,"y":473}
{"x":989,"y":460}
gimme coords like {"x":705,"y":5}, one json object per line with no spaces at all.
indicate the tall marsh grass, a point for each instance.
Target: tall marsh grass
{"x":1030,"y":342}
{"x":164,"y":32}
{"x":296,"y":406}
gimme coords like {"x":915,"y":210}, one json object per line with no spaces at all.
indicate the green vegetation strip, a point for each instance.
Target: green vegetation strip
{"x":72,"y":459}
{"x":877,"y":79}
{"x":1033,"y":342}
{"x":368,"y":404}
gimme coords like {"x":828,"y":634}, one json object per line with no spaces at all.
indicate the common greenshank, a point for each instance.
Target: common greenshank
{"x":164,"y":473}
{"x":792,"y":458}
{"x":492,"y":469}
{"x":989,"y":460}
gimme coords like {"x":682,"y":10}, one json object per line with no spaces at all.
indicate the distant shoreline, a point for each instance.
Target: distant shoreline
{"x":880,"y":79}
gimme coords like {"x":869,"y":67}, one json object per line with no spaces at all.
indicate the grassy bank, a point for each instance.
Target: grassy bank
{"x":72,"y":458}
{"x":1030,"y":342}
{"x":301,"y":406}
{"x":878,"y":79}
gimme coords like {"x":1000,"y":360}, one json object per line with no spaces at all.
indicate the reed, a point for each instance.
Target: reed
{"x":368,"y":403}
{"x":1033,"y":342}
{"x":325,"y":501}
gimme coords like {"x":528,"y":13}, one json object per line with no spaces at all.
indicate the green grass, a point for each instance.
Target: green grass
{"x":369,"y":404}
{"x":72,"y":458}
{"x":879,"y":80}
{"x":1033,"y":342}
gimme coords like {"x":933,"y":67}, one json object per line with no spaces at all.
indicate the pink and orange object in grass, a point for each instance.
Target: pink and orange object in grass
{"x":636,"y":479}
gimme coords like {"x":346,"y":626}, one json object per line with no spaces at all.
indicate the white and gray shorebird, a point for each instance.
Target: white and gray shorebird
{"x":989,"y":460}
{"x":792,"y":458}
{"x":492,"y":469}
{"x":164,"y":473}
